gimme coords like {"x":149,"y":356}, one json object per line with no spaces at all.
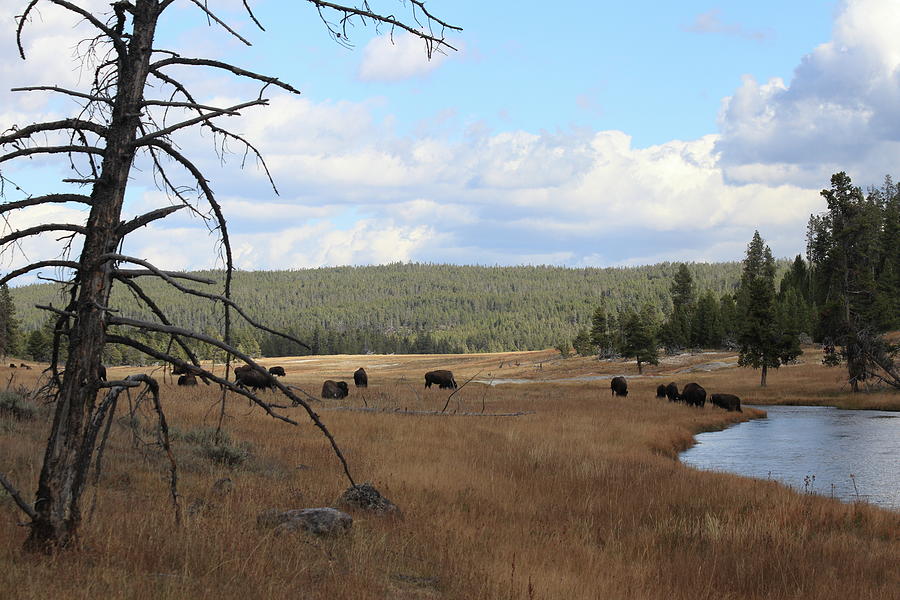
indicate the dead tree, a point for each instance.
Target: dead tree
{"x":118,"y":123}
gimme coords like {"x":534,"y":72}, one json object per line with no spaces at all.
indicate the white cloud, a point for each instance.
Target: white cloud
{"x":840,"y":111}
{"x":397,"y":57}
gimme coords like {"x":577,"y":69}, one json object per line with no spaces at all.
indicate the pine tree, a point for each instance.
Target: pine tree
{"x":676,"y":332}
{"x":601,"y":335}
{"x":639,"y":333}
{"x":762,"y":344}
{"x":9,"y":325}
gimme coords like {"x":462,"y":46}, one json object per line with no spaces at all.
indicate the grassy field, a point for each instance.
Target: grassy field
{"x":582,"y":497}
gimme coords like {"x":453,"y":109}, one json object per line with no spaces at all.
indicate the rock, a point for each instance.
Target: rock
{"x":366,"y":497}
{"x":318,"y":521}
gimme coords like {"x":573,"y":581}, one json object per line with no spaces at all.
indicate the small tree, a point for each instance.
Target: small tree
{"x":132,"y":107}
{"x":9,"y":325}
{"x":601,"y":333}
{"x":639,"y":331}
{"x":762,"y":344}
{"x":583,"y":344}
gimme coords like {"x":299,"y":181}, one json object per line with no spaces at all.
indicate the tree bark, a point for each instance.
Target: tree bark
{"x":69,"y":450}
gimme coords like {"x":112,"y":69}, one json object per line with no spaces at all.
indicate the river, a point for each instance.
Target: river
{"x":847,"y":454}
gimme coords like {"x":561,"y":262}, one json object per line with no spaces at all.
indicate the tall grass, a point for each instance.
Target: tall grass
{"x":582,"y":498}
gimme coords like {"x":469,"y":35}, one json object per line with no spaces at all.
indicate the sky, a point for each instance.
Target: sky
{"x":598,"y":134}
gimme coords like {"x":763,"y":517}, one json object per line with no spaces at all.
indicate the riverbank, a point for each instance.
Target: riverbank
{"x":581,"y":497}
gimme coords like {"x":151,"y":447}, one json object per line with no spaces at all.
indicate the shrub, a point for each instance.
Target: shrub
{"x":17,"y":406}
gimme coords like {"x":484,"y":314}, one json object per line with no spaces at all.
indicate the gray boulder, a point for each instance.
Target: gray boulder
{"x":326,"y":522}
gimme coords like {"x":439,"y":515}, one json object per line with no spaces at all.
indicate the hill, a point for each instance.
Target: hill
{"x":420,"y":308}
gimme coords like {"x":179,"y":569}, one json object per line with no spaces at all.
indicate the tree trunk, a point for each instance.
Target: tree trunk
{"x":765,"y":372}
{"x":70,"y":446}
{"x":640,"y":367}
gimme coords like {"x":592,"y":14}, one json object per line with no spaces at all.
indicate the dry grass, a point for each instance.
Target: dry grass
{"x":581,"y":499}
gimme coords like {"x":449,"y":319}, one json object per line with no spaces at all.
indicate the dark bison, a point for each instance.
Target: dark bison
{"x":729,"y":402}
{"x":248,"y":378}
{"x":335,"y":389}
{"x":13,"y":366}
{"x":443,"y":379}
{"x":187,"y":379}
{"x":180,"y":370}
{"x":276,"y":371}
{"x":360,"y":378}
{"x":672,"y":392}
{"x":694,"y":395}
{"x":24,"y":366}
{"x":619,"y":386}
{"x":660,"y":391}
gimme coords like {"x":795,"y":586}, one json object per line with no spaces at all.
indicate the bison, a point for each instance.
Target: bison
{"x":247,"y":377}
{"x":180,"y":370}
{"x":660,"y":391}
{"x":335,"y":389}
{"x":619,"y":386}
{"x":729,"y":402}
{"x":360,"y":378}
{"x":277,"y":371}
{"x":13,"y":366}
{"x":694,"y":395}
{"x":672,"y":392}
{"x":187,"y":379}
{"x":443,"y":378}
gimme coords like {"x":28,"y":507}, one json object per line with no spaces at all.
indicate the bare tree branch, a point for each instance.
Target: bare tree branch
{"x":215,"y":297}
{"x":38,"y":229}
{"x":53,"y":88}
{"x":17,"y":497}
{"x":205,"y":62}
{"x":205,"y":117}
{"x":213,"y":16}
{"x":58,"y":198}
{"x":77,"y":124}
{"x":51,"y":150}
{"x":69,"y":264}
{"x":155,"y":272}
{"x":147,"y":218}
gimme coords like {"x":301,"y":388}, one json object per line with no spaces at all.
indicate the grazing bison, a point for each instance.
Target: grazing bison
{"x":180,"y":370}
{"x":276,"y":371}
{"x":660,"y":391}
{"x":619,"y":386}
{"x":729,"y":402}
{"x":360,"y":378}
{"x":443,"y":379}
{"x":247,"y":377}
{"x":13,"y":366}
{"x":335,"y":389}
{"x":694,"y":395}
{"x":672,"y":392}
{"x":187,"y":379}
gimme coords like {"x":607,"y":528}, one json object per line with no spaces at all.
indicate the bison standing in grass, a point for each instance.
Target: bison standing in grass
{"x":672,"y":392}
{"x":660,"y":391}
{"x":360,"y":378}
{"x":335,"y":389}
{"x":187,"y":379}
{"x":729,"y":402}
{"x":694,"y":395}
{"x":276,"y":371}
{"x":619,"y":386}
{"x":443,"y":378}
{"x":249,"y":378}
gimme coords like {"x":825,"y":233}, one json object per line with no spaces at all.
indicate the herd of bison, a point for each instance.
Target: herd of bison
{"x":693,"y":394}
{"x":248,"y":378}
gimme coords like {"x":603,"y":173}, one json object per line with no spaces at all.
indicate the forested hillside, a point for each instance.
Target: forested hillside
{"x":415,"y":307}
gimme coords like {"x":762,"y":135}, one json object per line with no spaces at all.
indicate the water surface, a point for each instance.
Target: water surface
{"x":816,"y":449}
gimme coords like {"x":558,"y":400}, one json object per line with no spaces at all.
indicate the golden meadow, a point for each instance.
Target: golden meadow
{"x":581,"y":497}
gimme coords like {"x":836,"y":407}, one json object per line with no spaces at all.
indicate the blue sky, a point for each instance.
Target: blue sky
{"x":605,"y":134}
